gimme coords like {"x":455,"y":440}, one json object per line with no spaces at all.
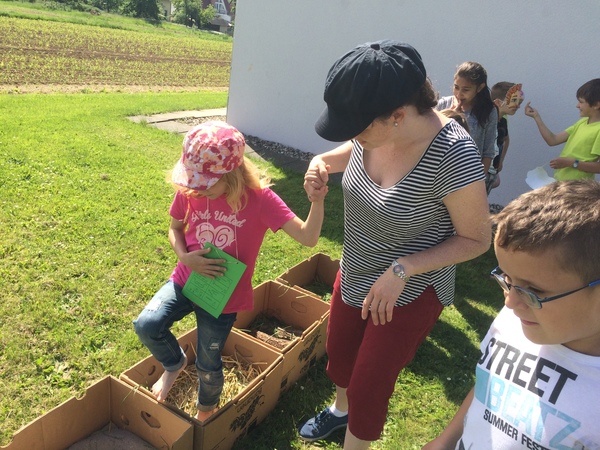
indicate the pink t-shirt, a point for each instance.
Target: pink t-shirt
{"x":239,"y":234}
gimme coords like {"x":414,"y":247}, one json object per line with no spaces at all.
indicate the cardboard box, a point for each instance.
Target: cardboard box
{"x":298,"y":309}
{"x":238,"y":416}
{"x":106,"y":401}
{"x":318,"y":271}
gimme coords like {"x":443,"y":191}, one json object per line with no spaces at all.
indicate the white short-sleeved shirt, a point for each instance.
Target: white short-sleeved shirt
{"x":530,"y":396}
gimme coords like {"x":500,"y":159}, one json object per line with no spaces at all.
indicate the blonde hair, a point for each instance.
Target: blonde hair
{"x":238,"y":181}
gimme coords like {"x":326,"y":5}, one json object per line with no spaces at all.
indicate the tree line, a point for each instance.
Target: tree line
{"x":186,"y":12}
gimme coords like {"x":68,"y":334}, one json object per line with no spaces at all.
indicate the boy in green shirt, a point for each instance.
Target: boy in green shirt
{"x":580,"y":157}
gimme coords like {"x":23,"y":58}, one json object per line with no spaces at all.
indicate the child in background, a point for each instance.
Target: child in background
{"x":472,"y":98}
{"x":508,"y":98}
{"x":219,"y":199}
{"x":537,"y":379}
{"x":579,"y":157}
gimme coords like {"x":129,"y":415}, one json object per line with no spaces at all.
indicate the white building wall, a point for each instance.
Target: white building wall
{"x":282,"y":51}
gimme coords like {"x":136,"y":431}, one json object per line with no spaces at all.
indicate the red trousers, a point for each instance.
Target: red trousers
{"x":367,"y":359}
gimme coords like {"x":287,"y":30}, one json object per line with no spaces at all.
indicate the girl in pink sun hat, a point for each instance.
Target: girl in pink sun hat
{"x":221,"y":200}
{"x":210,"y":150}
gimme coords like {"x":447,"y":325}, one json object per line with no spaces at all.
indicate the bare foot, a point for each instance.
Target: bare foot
{"x":204,"y":415}
{"x":164,"y":384}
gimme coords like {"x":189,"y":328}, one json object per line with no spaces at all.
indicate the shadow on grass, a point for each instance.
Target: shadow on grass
{"x":309,"y":396}
{"x":449,"y":355}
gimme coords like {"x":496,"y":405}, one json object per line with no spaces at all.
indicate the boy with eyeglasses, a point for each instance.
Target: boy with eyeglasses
{"x":537,"y":381}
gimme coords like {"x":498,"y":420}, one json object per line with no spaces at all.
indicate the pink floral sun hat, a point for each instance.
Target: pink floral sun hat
{"x":210,"y":150}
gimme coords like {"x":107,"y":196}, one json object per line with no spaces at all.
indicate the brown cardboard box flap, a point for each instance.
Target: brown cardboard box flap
{"x":106,"y":401}
{"x":317,"y":268}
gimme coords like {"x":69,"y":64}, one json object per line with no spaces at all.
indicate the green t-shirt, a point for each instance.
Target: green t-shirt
{"x":583,"y":144}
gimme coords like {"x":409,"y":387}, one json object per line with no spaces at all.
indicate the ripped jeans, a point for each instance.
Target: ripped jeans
{"x":153,"y":328}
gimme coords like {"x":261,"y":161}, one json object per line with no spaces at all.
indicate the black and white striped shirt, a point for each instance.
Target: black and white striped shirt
{"x":384,"y":224}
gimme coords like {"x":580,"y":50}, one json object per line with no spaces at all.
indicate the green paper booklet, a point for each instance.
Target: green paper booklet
{"x":212,"y":294}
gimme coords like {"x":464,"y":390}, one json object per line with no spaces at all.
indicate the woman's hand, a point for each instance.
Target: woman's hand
{"x":382,"y":297}
{"x":315,"y":179}
{"x":208,"y":267}
{"x":317,"y":174}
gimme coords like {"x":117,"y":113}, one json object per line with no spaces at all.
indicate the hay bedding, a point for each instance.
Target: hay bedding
{"x":272,"y":331}
{"x":320,"y":289}
{"x":237,"y":371}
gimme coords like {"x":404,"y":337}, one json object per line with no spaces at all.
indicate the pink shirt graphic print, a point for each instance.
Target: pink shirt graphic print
{"x":239,"y":234}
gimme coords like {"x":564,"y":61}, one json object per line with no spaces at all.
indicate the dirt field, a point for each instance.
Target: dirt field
{"x":41,"y":56}
{"x":80,"y":88}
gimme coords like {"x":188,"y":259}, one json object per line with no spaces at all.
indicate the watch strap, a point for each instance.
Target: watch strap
{"x":398,"y":270}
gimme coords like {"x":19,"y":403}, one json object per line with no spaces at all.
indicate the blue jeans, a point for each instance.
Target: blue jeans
{"x":153,"y":328}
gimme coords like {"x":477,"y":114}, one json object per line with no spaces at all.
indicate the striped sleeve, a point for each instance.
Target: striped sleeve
{"x":460,"y":163}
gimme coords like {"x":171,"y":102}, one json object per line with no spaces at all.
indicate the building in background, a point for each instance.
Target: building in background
{"x":224,"y":19}
{"x":223,"y":22}
{"x":282,"y":51}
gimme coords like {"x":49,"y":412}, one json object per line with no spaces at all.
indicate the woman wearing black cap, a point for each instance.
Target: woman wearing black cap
{"x":414,"y":206}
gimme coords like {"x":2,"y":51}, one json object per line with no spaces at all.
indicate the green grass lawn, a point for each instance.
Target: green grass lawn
{"x":84,"y":218}
{"x":83,"y":215}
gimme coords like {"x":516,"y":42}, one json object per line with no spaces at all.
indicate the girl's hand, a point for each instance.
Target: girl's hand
{"x":208,"y":267}
{"x":382,"y":297}
{"x":316,"y":195}
{"x":457,"y":105}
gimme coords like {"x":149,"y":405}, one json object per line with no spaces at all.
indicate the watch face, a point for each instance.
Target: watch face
{"x":397,"y":268}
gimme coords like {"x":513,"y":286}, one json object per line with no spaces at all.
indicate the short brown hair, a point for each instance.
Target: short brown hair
{"x":500,"y":89}
{"x":423,"y":100}
{"x":563,"y":217}
{"x":590,"y":91}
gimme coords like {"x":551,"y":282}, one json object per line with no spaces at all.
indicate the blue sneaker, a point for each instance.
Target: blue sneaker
{"x":322,"y":425}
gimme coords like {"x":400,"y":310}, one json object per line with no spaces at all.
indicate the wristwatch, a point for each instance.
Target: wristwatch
{"x":575,"y":164}
{"x":398,"y":270}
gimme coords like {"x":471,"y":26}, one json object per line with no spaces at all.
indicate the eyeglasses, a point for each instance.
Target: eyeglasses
{"x":529,"y":297}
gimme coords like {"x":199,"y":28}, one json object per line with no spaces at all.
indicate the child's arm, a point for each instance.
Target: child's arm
{"x":584,"y":166}
{"x":488,"y":149}
{"x":308,"y":232}
{"x":450,"y":436}
{"x":550,"y":138}
{"x":195,"y":260}
{"x":333,"y":161}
